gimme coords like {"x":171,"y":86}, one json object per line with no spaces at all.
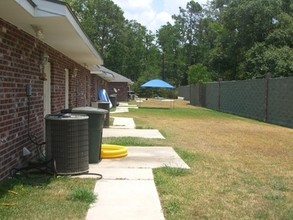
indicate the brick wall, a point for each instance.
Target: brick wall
{"x":94,"y":88}
{"x":20,"y":56}
{"x":122,"y":90}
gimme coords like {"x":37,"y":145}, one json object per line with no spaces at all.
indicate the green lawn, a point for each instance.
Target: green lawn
{"x":240,"y":169}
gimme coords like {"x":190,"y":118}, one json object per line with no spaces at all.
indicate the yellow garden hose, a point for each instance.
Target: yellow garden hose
{"x":109,"y":151}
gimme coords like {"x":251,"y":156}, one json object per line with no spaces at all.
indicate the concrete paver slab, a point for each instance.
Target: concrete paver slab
{"x":120,"y":110}
{"x":127,"y":190}
{"x":123,"y":107}
{"x":125,"y":104}
{"x":122,"y":173}
{"x":126,"y":200}
{"x":144,"y":133}
{"x":144,"y":157}
{"x":122,"y":122}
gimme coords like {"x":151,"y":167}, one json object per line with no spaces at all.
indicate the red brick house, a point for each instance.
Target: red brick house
{"x":46,"y":57}
{"x":114,"y":83}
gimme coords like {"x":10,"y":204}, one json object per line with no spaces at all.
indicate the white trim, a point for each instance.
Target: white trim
{"x":26,"y":5}
{"x":45,"y":8}
{"x":60,"y":13}
{"x":47,"y":90}
{"x":66,"y":88}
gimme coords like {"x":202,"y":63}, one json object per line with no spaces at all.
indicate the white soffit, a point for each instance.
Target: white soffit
{"x":58,"y":26}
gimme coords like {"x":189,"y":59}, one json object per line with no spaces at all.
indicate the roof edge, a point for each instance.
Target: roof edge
{"x":77,"y":25}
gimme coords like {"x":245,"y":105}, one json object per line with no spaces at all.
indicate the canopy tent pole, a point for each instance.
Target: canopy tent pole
{"x":158,"y":83}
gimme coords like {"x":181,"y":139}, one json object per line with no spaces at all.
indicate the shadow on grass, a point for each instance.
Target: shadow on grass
{"x":32,"y":175}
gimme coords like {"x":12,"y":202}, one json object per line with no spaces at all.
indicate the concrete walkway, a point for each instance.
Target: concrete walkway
{"x":127,"y":190}
{"x":122,"y":132}
{"x":125,"y":127}
{"x":123,"y":107}
{"x":122,"y":122}
{"x":143,"y":157}
{"x":129,"y":198}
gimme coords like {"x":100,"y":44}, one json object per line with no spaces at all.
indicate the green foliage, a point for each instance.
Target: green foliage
{"x":188,"y":22}
{"x":232,"y":39}
{"x":198,"y":74}
{"x":256,"y":36}
{"x":127,"y":47}
{"x":172,"y":56}
{"x":101,"y":19}
{"x":261,"y":59}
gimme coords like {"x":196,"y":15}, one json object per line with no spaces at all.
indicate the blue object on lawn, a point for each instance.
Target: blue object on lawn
{"x":103,"y":97}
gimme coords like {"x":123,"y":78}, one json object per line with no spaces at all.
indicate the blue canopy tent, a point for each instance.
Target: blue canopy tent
{"x":158,"y":83}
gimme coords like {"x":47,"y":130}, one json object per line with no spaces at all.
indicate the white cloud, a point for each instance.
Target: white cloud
{"x":172,"y":7}
{"x":134,"y":6}
{"x":143,"y":11}
{"x":160,"y":19}
{"x":139,"y":10}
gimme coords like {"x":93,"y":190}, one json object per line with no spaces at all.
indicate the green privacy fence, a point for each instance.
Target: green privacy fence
{"x":268,"y":99}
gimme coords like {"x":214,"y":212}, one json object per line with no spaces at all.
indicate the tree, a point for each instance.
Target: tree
{"x":198,"y":73}
{"x":274,"y":53}
{"x":249,"y":29}
{"x":262,"y":59}
{"x":135,"y":53}
{"x":126,"y":46}
{"x":229,"y":39}
{"x":173,"y":64}
{"x":188,"y":22}
{"x":102,"y":20}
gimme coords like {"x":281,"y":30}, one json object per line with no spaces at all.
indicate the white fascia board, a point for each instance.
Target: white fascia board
{"x":45,"y":8}
{"x":26,"y":5}
{"x":48,"y":9}
{"x":41,"y":8}
{"x":106,"y":76}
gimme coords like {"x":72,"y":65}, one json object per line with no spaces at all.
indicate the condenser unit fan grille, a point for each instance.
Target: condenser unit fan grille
{"x":67,"y":143}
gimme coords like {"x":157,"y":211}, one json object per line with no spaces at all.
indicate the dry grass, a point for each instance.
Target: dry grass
{"x":240,"y":168}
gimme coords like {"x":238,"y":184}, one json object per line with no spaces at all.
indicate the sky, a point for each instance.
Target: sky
{"x":152,"y":13}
